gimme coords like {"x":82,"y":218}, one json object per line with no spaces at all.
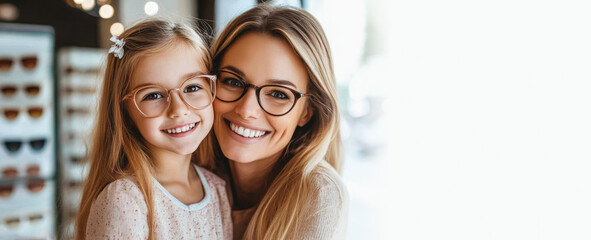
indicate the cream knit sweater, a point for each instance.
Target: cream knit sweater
{"x":326,"y":216}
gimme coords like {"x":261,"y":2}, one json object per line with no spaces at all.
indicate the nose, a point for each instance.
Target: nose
{"x":177,"y":106}
{"x":248,"y":107}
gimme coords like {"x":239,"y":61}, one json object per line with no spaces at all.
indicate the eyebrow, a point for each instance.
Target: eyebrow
{"x":183,"y":78}
{"x":188,"y":75}
{"x":271,"y":81}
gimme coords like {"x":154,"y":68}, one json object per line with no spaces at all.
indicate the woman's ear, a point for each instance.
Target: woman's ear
{"x":306,"y":115}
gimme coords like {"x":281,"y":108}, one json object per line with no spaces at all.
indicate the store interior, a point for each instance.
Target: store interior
{"x":52,"y":56}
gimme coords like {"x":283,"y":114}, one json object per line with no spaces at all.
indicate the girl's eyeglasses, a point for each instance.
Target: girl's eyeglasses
{"x":28,"y":62}
{"x":11,"y":90}
{"x":13,"y":172}
{"x":33,"y":185}
{"x":196,"y":92}
{"x":12,"y":113}
{"x":14,"y":146}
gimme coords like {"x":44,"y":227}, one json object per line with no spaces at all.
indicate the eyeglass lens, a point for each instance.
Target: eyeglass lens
{"x":197,"y":92}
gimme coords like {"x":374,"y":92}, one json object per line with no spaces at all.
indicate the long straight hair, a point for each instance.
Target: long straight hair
{"x":117,"y":149}
{"x":314,"y":146}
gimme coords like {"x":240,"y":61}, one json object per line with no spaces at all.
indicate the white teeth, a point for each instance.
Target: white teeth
{"x":245,"y":132}
{"x":181,"y":129}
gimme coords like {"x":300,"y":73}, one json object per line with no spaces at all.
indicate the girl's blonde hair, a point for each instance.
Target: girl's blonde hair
{"x":313,"y":146}
{"x":117,"y":148}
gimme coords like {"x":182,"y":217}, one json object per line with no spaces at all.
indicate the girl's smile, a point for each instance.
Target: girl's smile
{"x":182,"y":130}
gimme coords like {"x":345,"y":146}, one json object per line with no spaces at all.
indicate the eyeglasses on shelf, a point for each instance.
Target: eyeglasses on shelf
{"x":29,"y":90}
{"x":28,"y":62}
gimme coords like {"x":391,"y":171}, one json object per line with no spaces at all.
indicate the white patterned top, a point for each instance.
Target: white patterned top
{"x":119,"y":212}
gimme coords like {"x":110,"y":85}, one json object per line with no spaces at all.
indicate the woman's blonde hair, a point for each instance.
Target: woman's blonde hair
{"x":313,"y":146}
{"x":117,"y":148}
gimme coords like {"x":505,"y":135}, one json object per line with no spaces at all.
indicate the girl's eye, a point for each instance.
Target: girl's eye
{"x":192,"y":88}
{"x":279,"y":95}
{"x":152,"y":96}
{"x":232,"y":82}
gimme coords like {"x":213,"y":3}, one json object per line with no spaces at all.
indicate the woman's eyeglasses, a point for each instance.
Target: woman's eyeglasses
{"x":276,"y":100}
{"x":11,"y":90}
{"x":14,"y":146}
{"x":28,"y":62}
{"x":12,"y":113}
{"x":196,"y":92}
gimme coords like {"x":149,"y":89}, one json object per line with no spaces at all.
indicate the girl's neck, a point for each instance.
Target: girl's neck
{"x":173,"y":168}
{"x":250,"y":182}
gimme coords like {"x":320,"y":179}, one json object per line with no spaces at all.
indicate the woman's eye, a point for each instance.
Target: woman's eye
{"x":192,"y":88}
{"x":232,"y":82}
{"x":152,"y":96}
{"x":278,"y":94}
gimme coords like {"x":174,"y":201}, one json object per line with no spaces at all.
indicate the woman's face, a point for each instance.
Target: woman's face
{"x":245,"y":132}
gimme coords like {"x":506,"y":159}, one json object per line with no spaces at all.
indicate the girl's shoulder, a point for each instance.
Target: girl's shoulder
{"x":211,"y":177}
{"x":123,"y":190}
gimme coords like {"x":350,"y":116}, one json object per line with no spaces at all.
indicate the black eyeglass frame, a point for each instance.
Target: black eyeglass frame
{"x":297,"y":94}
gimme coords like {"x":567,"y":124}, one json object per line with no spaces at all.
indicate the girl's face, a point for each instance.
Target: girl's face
{"x":258,"y":59}
{"x":180,"y":128}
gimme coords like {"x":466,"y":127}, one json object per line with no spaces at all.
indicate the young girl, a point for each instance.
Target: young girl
{"x":155,"y":109}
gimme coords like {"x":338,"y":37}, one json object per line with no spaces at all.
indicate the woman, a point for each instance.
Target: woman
{"x":276,"y":128}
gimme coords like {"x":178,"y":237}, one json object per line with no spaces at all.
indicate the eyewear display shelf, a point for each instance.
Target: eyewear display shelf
{"x":27,"y":133}
{"x":80,"y":72}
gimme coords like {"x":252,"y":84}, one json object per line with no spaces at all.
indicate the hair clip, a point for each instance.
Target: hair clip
{"x":117,"y":48}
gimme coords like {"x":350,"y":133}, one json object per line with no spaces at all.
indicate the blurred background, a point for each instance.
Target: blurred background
{"x":461,"y":119}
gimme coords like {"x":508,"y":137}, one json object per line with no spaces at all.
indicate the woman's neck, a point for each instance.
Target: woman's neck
{"x":250,"y":182}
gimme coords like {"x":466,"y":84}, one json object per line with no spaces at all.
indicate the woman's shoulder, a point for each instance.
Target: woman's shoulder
{"x":327,"y":183}
{"x":325,"y":215}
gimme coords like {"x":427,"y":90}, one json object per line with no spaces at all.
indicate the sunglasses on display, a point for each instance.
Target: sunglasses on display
{"x":12,"y":172}
{"x":33,"y":185}
{"x":28,"y":62}
{"x":11,"y":90}
{"x":82,"y":90}
{"x":14,"y":222}
{"x":77,"y":111}
{"x":14,"y":146}
{"x":70,"y":70}
{"x":77,"y":160}
{"x":12,"y":113}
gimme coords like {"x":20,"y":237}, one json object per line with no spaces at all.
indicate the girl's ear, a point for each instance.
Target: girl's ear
{"x":306,"y":115}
